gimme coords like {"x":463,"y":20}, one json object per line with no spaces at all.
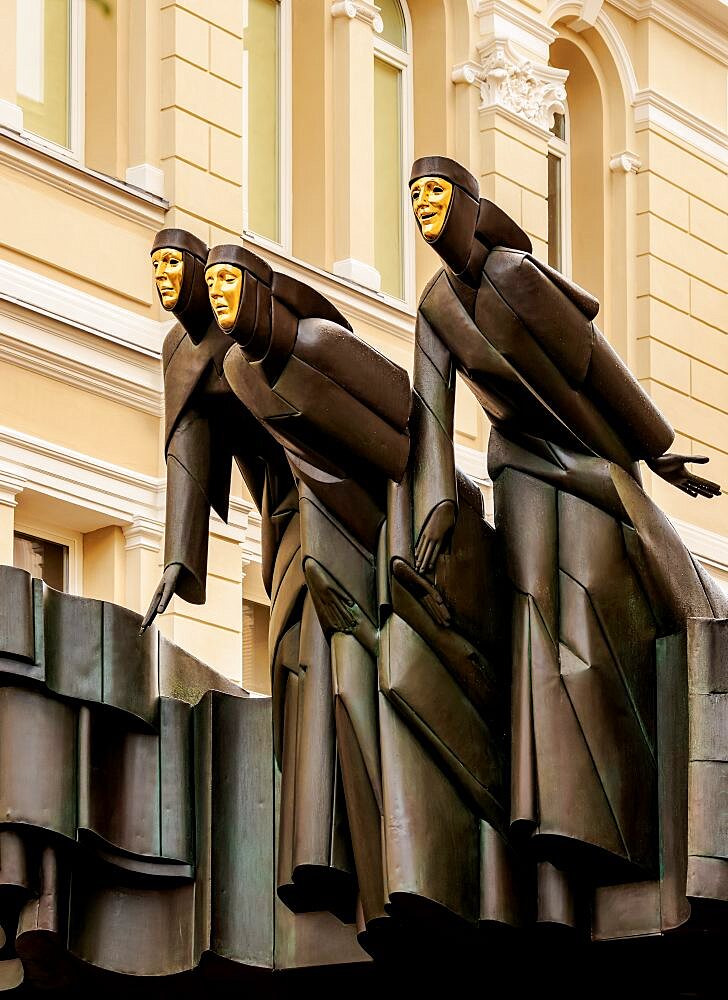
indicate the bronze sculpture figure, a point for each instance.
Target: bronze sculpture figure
{"x":568,"y":427}
{"x":513,"y":728}
{"x":206,"y":428}
{"x":340,"y":410}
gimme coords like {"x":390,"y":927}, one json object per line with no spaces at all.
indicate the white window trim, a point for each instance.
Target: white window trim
{"x":72,"y":540}
{"x":285,"y":137}
{"x":77,"y":98}
{"x":402,"y":60}
{"x":560,"y":148}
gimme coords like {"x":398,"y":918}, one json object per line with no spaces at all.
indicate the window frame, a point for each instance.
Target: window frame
{"x":72,"y":540}
{"x":285,"y":137}
{"x":401,"y":59}
{"x":560,"y":149}
{"x":74,"y":152}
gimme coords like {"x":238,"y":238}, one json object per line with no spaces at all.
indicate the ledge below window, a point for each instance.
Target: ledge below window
{"x":125,"y":200}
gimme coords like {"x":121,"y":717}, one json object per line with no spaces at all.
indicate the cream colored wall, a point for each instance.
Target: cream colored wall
{"x":653,"y":247}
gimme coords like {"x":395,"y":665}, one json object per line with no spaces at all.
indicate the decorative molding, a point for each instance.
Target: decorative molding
{"x":625,"y":162}
{"x":79,"y":339}
{"x":367,"y":12}
{"x":10,"y":486}
{"x":35,"y":160}
{"x":358,"y":272}
{"x":691,"y":21}
{"x":531,"y":91}
{"x":468,"y":72}
{"x":11,"y":116}
{"x":108,"y":493}
{"x":588,"y":13}
{"x":651,"y":108}
{"x":48,"y":297}
{"x":102,"y":493}
{"x":565,"y":8}
{"x":147,"y":178}
{"x":501,"y":20}
{"x":144,"y":533}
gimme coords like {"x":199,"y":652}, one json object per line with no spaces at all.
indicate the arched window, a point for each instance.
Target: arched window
{"x":392,"y":149}
{"x":266,"y":126}
{"x":559,"y":195}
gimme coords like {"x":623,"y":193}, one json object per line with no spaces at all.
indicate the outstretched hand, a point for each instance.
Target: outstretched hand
{"x":672,"y":469}
{"x":162,"y":595}
{"x":433,"y":535}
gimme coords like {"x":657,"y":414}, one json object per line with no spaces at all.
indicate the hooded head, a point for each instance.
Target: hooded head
{"x":445,"y":200}
{"x":453,"y":218}
{"x":239,"y":288}
{"x":178,"y":258}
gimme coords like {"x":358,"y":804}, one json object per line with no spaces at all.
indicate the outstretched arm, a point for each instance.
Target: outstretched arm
{"x":433,"y":451}
{"x":672,"y":469}
{"x":162,"y":595}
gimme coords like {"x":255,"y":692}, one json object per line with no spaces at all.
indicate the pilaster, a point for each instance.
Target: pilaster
{"x":143,"y":545}
{"x":355,"y":23}
{"x":10,"y":487}
{"x":519,"y":94}
{"x":144,"y":170}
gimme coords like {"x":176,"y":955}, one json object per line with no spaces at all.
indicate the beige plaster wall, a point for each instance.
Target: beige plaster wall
{"x":652,"y":245}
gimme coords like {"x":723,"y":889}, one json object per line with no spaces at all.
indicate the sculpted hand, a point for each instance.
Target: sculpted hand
{"x":433,"y":535}
{"x":672,"y":469}
{"x":337,"y":611}
{"x":162,"y":595}
{"x":335,"y":608}
{"x":421,"y":588}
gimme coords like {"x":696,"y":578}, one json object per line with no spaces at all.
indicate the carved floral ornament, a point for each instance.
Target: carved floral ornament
{"x":367,"y":12}
{"x":531,"y":91}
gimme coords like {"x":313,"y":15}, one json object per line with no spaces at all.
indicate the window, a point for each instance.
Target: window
{"x":256,"y":668}
{"x":267,"y":121}
{"x":393,"y":232}
{"x":559,"y":215}
{"x":43,"y":559}
{"x":49,"y":71}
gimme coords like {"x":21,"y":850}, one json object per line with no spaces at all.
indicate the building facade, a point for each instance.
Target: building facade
{"x":600,"y":126}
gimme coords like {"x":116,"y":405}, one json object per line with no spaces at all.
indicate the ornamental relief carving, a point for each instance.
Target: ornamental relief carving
{"x":531,"y":91}
{"x":368,"y":12}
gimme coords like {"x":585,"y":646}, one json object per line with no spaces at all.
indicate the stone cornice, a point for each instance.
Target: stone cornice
{"x":501,"y":19}
{"x":652,"y":108}
{"x":361,"y":9}
{"x":693,"y":21}
{"x":531,"y":91}
{"x":144,"y":533}
{"x":114,"y":196}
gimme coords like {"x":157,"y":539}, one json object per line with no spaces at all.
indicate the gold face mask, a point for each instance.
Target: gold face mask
{"x":224,"y":284}
{"x":169,"y":267}
{"x":431,"y":198}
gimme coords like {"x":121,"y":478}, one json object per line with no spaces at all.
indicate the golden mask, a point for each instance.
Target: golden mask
{"x":169,"y":269}
{"x":224,"y":283}
{"x":431,"y":198}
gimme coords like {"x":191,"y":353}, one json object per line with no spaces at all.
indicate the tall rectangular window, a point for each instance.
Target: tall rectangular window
{"x":263,"y":45}
{"x":388,"y":188}
{"x":43,"y":78}
{"x":559,"y":215}
{"x":555,"y":203}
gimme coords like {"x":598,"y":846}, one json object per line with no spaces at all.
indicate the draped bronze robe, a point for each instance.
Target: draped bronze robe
{"x":591,"y":591}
